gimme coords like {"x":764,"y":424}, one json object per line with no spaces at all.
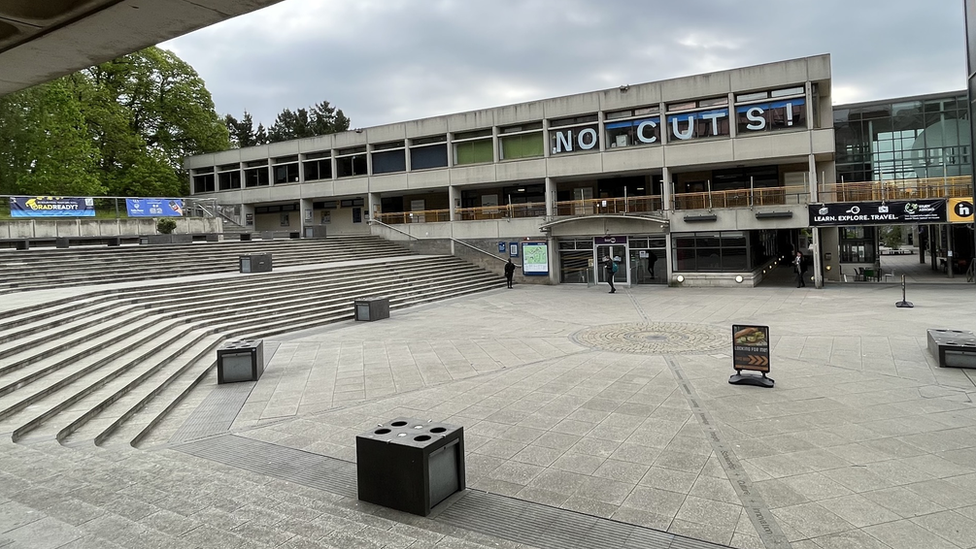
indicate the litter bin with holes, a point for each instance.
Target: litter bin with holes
{"x":241,"y":360}
{"x":410,"y":465}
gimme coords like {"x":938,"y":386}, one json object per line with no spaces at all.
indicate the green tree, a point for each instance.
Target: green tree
{"x":122,"y":128}
{"x":321,"y":119}
{"x":48,"y":149}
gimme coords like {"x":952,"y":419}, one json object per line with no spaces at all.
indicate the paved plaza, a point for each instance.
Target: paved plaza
{"x":614,"y":409}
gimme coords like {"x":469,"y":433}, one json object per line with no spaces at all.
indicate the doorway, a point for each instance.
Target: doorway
{"x":619,"y":254}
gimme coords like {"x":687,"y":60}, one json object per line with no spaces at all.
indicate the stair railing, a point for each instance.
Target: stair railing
{"x":451,"y":238}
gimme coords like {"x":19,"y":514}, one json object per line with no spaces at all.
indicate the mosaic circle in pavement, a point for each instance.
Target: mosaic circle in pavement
{"x":655,"y":338}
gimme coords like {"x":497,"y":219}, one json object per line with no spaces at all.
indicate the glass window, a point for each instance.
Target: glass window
{"x":711,"y":251}
{"x":714,"y":123}
{"x":256,"y":177}
{"x":473,"y":152}
{"x":527,"y":145}
{"x":432,"y":156}
{"x":389,"y":161}
{"x":229,"y":180}
{"x":350,"y":166}
{"x":318,"y":169}
{"x":286,"y":173}
{"x":633,"y":132}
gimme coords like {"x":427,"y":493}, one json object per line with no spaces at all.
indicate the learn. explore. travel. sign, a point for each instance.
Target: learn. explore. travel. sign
{"x":878,"y":213}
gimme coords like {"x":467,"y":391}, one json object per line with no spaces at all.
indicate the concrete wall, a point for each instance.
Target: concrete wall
{"x":52,"y":228}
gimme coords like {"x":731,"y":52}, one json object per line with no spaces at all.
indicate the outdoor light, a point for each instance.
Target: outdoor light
{"x":680,"y":278}
{"x":738,"y":278}
{"x":827,"y":267}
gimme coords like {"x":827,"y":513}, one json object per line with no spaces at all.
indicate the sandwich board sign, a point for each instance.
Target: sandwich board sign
{"x":750,"y":351}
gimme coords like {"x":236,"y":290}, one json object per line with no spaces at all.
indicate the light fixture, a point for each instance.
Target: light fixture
{"x":827,"y":267}
{"x":521,"y":190}
{"x":680,"y":278}
{"x":738,"y":278}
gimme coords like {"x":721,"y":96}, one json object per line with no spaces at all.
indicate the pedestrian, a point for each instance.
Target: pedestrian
{"x":611,"y":269}
{"x":651,"y":260}
{"x":509,"y":272}
{"x":800,"y":268}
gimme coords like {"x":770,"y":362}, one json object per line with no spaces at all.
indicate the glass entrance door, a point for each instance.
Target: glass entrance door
{"x":619,"y":253}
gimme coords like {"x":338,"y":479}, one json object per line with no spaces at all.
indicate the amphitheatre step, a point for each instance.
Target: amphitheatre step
{"x":124,"y":401}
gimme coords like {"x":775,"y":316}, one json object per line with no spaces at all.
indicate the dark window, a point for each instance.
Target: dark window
{"x":357,"y":215}
{"x":286,"y":173}
{"x":256,"y":177}
{"x":349,"y":166}
{"x":229,"y":180}
{"x":203,"y":183}
{"x":318,"y":169}
{"x":433,"y":156}
{"x":711,"y":251}
{"x":389,"y":162}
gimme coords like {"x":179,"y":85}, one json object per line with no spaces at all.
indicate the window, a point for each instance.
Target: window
{"x":317,"y":166}
{"x":229,"y":180}
{"x":576,"y":134}
{"x":351,"y":162}
{"x":642,"y":131}
{"x":257,"y":177}
{"x":203,"y":183}
{"x":726,"y":251}
{"x":857,"y":245}
{"x":285,"y":173}
{"x":473,"y":147}
{"x":523,"y":141}
{"x":389,"y":158}
{"x":428,"y":152}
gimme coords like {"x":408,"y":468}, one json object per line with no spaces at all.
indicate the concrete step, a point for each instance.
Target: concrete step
{"x":113,"y":402}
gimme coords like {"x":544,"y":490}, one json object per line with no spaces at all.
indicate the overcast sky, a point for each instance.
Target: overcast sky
{"x":385,"y":61}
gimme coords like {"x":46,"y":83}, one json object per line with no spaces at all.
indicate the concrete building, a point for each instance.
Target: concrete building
{"x":696,"y":180}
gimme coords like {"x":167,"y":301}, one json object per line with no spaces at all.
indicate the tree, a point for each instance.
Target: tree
{"x":48,"y":147}
{"x":892,"y":236}
{"x":321,"y":119}
{"x":121,"y":128}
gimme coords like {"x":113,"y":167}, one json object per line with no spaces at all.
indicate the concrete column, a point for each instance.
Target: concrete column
{"x":374,"y":203}
{"x":305,"y":207}
{"x":814,"y":182}
{"x":666,"y":188}
{"x":550,"y":198}
{"x":818,"y":279}
{"x":454,"y":201}
{"x":406,"y":154}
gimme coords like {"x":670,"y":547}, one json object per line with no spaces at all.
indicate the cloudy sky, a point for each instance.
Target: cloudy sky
{"x":384,"y":61}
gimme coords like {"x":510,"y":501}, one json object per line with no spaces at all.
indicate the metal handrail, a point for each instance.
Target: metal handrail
{"x":620,"y":205}
{"x":740,"y":198}
{"x":451,"y":238}
{"x":898,"y":189}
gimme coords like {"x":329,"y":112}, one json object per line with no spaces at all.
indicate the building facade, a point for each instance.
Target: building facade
{"x":703,"y":180}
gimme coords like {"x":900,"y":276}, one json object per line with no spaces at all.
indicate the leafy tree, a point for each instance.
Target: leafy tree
{"x":242,"y":133}
{"x":320,"y":119}
{"x":51,"y":152}
{"x":892,"y":236}
{"x":121,"y":128}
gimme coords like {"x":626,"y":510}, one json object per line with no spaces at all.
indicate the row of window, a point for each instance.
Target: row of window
{"x":755,"y":112}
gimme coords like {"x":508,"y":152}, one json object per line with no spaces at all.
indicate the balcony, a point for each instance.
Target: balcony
{"x":620,"y":206}
{"x":742,"y":198}
{"x":898,"y":189}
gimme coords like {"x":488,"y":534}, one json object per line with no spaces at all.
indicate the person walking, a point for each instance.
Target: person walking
{"x":611,"y":269}
{"x":509,"y":272}
{"x":800,"y":268}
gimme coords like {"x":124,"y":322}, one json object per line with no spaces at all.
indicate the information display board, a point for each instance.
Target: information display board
{"x":535,"y":258}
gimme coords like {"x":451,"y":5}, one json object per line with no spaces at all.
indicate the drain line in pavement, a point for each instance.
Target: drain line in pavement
{"x":762,"y":519}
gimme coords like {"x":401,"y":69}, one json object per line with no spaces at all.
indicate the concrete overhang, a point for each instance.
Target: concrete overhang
{"x":661,"y":221}
{"x":41,"y":40}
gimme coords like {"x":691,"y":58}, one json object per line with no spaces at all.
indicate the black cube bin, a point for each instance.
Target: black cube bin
{"x":410,"y":465}
{"x":953,"y":348}
{"x":240,"y":361}
{"x":255,"y":263}
{"x":372,"y":308}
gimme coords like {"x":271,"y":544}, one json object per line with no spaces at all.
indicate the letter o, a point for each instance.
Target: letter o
{"x":592,"y":141}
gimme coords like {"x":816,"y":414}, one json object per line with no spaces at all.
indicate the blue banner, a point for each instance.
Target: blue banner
{"x":51,"y":206}
{"x":154,"y":207}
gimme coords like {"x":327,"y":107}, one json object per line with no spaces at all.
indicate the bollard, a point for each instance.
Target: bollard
{"x":903,"y":304}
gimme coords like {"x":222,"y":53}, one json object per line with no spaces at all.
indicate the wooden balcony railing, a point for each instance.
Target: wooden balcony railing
{"x":742,"y":198}
{"x":423,"y":216}
{"x":898,"y":189}
{"x":531,"y":209}
{"x":629,"y":205}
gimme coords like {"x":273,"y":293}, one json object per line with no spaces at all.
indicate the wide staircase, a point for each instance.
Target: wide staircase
{"x":35,"y":269}
{"x":108,"y":366}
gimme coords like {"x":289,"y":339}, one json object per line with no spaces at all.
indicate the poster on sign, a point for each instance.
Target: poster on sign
{"x":750,"y":351}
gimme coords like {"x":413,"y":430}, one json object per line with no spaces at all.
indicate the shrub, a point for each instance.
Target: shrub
{"x":165,"y":225}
